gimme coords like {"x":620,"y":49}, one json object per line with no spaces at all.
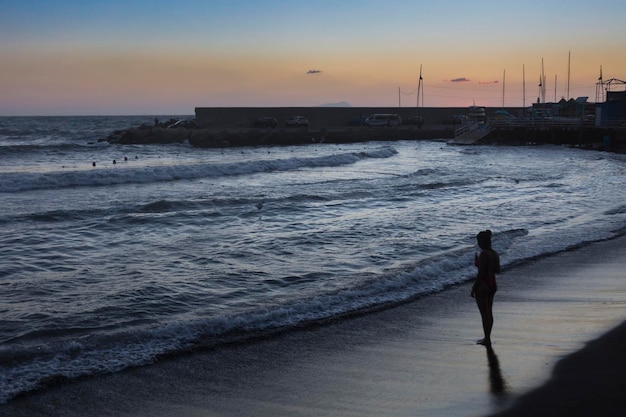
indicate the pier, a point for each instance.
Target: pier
{"x":470,"y":134}
{"x":231,"y":127}
{"x":581,"y":134}
{"x":536,"y":132}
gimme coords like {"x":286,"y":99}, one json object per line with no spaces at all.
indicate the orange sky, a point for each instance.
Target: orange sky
{"x":73,"y":59}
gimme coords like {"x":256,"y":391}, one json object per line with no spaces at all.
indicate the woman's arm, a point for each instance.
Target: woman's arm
{"x":476,"y":263}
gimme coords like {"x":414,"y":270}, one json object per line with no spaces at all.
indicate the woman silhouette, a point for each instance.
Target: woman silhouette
{"x":484,"y":288}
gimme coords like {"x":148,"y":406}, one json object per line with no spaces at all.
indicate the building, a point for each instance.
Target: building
{"x":613,"y":111}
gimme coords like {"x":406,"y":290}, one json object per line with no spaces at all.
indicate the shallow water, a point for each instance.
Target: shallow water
{"x":173,"y":247}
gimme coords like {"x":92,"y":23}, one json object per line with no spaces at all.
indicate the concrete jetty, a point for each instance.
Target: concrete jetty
{"x":231,"y":127}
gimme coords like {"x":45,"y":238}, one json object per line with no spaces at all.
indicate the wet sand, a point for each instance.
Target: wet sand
{"x":418,"y":359}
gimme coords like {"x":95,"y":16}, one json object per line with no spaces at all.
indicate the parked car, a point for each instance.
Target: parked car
{"x":188,"y":124}
{"x":358,"y":121}
{"x":383,"y":120}
{"x":265,"y":122}
{"x":297,"y":121}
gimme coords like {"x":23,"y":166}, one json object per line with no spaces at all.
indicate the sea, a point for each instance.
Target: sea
{"x":115,"y":256}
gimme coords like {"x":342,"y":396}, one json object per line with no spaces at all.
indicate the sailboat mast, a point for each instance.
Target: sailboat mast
{"x":555,"y":88}
{"x":542,"y":84}
{"x":524,"y":88}
{"x":420,"y":90}
{"x":422,"y":84}
{"x":503,"y":84}
{"x":569,"y":60}
{"x":600,"y":88}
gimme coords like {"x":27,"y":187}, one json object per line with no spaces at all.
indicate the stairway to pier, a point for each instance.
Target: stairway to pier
{"x":469,"y":134}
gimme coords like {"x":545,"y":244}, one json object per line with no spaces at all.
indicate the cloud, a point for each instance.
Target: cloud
{"x":313,"y":71}
{"x":460,"y":80}
{"x":488,"y":82}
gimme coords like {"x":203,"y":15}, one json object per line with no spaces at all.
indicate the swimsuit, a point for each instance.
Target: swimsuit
{"x":488,"y":264}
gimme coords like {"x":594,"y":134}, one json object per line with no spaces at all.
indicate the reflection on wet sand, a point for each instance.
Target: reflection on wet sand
{"x":497,"y":384}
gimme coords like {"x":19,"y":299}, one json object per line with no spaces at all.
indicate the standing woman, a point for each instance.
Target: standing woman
{"x":484,"y":288}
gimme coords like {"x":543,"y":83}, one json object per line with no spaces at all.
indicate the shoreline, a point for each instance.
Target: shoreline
{"x":588,"y":382}
{"x":414,"y":359}
{"x":583,"y":137}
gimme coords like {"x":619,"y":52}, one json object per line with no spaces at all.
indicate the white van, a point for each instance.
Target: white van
{"x":382,"y":119}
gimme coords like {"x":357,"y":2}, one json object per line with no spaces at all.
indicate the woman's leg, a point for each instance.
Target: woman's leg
{"x":492,"y":295}
{"x":484,"y":301}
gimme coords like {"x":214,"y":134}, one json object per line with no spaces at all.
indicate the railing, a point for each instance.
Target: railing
{"x":465,"y":128}
{"x":554,"y":123}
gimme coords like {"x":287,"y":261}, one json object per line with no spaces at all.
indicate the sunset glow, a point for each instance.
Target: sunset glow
{"x":153,"y":57}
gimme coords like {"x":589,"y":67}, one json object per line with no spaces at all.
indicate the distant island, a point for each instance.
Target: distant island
{"x":340,"y":104}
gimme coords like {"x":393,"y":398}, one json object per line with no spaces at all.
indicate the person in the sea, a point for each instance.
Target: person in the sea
{"x":484,"y":288}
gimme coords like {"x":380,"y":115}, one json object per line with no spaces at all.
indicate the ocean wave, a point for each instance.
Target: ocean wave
{"x":31,"y":129}
{"x":110,"y":352}
{"x":127,"y":275}
{"x":616,"y":210}
{"x":96,"y":354}
{"x":28,"y":181}
{"x":207,"y":207}
{"x":15,"y":150}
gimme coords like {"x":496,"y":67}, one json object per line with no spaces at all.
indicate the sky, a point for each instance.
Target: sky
{"x":137,"y":57}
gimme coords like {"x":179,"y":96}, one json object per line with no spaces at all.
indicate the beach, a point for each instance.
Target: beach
{"x":549,"y":358}
{"x":327,"y":279}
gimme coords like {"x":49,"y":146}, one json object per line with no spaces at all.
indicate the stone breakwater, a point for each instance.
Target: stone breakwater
{"x":234,"y":137}
{"x":230,"y":127}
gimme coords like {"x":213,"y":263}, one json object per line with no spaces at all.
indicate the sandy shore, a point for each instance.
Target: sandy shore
{"x":418,"y":359}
